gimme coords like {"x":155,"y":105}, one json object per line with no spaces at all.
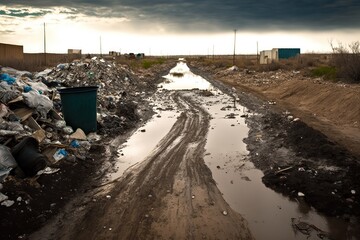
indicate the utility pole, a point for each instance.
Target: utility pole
{"x":100,"y":48}
{"x":257,"y":51}
{"x":213,"y":52}
{"x":45,"y":43}
{"x":234,"y":47}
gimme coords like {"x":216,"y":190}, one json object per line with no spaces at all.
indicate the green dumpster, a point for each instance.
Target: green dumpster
{"x":79,"y":107}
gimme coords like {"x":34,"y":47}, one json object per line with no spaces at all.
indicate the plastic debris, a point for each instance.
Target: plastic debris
{"x":60,"y":154}
{"x":74,"y":144}
{"x":40,"y":102}
{"x":353,"y":192}
{"x":225,"y":213}
{"x":27,"y":89}
{"x":48,"y":170}
{"x":300,"y":194}
{"x":68,"y":130}
{"x":7,"y":162}
{"x":3,"y":197}
{"x":60,"y":124}
{"x":78,"y":134}
{"x":7,"y":78}
{"x":7,"y":203}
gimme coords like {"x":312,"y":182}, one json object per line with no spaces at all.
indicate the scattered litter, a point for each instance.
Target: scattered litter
{"x":93,"y":137}
{"x":78,"y":134}
{"x":60,"y":124}
{"x":60,"y":154}
{"x":48,"y":170}
{"x":108,"y":196}
{"x":3,"y":197}
{"x":225,"y":213}
{"x":300,"y":194}
{"x":271,"y":102}
{"x":68,"y":130}
{"x":353,"y":192}
{"x":7,"y":162}
{"x":7,"y":203}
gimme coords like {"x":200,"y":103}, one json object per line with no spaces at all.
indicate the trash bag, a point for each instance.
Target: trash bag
{"x":7,"y":96}
{"x":3,"y":110}
{"x":7,"y":162}
{"x":28,"y":157}
{"x":40,"y":102}
{"x":7,"y":78}
{"x":39,"y":86}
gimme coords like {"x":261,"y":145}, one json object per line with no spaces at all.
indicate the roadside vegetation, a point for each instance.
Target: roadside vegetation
{"x":343,"y":64}
{"x":144,"y":63}
{"x":346,"y":59}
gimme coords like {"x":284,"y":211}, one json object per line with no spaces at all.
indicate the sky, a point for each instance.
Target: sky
{"x":179,"y":27}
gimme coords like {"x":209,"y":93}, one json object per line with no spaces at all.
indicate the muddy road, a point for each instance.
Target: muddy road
{"x":169,"y":195}
{"x":197,"y":170}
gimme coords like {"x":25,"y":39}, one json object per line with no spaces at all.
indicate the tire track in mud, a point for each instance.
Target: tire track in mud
{"x":170,"y":195}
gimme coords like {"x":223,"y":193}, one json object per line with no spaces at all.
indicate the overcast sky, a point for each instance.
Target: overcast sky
{"x":179,"y":26}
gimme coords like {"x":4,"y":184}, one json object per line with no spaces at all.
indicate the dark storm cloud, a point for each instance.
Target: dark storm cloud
{"x":201,"y":15}
{"x":22,"y":13}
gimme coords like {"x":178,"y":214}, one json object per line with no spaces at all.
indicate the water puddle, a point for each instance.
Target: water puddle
{"x":181,"y":78}
{"x":269,"y":214}
{"x":146,"y":138}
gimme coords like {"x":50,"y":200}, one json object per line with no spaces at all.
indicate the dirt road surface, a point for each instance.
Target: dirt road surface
{"x":170,"y":195}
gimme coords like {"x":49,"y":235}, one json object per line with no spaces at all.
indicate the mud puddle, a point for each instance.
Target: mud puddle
{"x":146,"y":138}
{"x":269,"y":214}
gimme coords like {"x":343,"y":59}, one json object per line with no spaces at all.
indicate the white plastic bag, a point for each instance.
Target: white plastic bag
{"x":38,"y":101}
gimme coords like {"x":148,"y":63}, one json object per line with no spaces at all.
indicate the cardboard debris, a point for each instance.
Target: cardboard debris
{"x":33,"y":124}
{"x":78,"y":134}
{"x":39,"y":135}
{"x":23,"y":113}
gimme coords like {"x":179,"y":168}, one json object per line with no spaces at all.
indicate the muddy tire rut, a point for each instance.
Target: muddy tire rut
{"x":169,"y":195}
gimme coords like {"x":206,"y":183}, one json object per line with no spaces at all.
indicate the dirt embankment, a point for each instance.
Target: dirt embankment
{"x":332,"y":108}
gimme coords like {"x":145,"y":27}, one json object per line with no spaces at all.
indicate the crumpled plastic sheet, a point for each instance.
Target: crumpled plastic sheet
{"x":38,"y":101}
{"x":7,"y":162}
{"x":6,"y":96}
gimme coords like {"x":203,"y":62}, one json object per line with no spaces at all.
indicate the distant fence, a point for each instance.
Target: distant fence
{"x":34,"y":61}
{"x":11,"y":54}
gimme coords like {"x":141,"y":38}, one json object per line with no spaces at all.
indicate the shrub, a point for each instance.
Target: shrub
{"x":326,"y":72}
{"x":347,"y":60}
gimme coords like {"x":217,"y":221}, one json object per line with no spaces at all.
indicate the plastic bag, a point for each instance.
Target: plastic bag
{"x":7,"y":96}
{"x":40,"y":102}
{"x":7,"y":162}
{"x":39,"y":86}
{"x":7,"y":78}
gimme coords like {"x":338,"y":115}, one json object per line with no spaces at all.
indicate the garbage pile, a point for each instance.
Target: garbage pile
{"x":34,"y":137}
